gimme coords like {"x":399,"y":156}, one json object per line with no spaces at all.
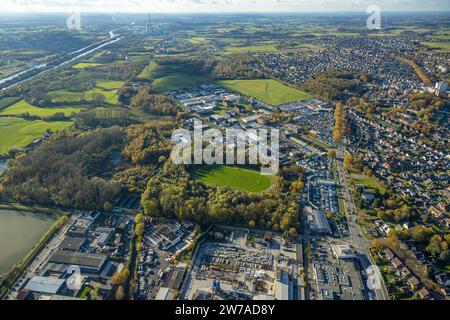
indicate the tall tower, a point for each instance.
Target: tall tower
{"x":148,"y":26}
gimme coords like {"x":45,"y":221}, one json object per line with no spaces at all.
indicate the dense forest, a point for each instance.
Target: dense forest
{"x":153,"y":103}
{"x":66,"y":171}
{"x":335,"y":85}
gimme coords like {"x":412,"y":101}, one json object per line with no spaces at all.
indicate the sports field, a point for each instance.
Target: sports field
{"x":22,"y":107}
{"x":17,"y":132}
{"x":234,"y":178}
{"x":269,"y":91}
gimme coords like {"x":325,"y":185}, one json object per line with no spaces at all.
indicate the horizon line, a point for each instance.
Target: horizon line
{"x":216,"y":12}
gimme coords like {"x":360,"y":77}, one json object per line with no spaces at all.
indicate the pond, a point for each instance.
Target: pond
{"x":19,"y":231}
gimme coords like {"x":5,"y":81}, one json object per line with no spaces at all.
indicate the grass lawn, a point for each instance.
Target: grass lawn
{"x":234,"y":178}
{"x":441,"y":47}
{"x":368,"y":182}
{"x":83,"y":65}
{"x":252,"y":49}
{"x":269,"y":91}
{"x":23,"y":107}
{"x":17,"y":132}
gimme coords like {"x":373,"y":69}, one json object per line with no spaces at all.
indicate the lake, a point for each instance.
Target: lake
{"x":19,"y":231}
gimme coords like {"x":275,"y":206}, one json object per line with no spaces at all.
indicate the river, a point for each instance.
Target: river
{"x":19,"y":231}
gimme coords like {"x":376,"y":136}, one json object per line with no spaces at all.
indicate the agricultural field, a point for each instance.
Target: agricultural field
{"x":17,"y":132}
{"x":441,"y":47}
{"x":367,"y":182}
{"x":87,"y":96}
{"x":269,"y":91}
{"x":109,"y":85}
{"x":83,"y":65}
{"x":234,"y":178}
{"x":22,"y":107}
{"x":197,"y":40}
{"x":252,"y":49}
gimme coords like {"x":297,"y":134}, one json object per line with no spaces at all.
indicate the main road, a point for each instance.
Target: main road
{"x":357,"y":239}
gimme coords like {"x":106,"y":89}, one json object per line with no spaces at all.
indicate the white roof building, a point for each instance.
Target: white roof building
{"x":45,"y":285}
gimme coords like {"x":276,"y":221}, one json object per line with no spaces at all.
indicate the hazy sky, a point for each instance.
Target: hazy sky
{"x":222,"y":5}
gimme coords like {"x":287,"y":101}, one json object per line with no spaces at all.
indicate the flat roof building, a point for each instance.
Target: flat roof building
{"x":88,"y":262}
{"x":45,"y":285}
{"x":72,"y":244}
{"x":284,"y":289}
{"x":318,"y":222}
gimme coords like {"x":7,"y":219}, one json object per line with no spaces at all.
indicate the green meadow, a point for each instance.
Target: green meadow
{"x":441,"y":47}
{"x":80,"y":97}
{"x":83,"y":65}
{"x":109,"y":85}
{"x":22,"y":107}
{"x":17,"y":132}
{"x":252,"y":49}
{"x":233,"y":178}
{"x":170,"y":77}
{"x":269,"y":91}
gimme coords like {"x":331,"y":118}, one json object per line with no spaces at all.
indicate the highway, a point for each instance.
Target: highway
{"x":357,"y":239}
{"x":80,"y":53}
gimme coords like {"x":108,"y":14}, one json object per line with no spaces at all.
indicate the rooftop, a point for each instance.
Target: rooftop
{"x":45,"y":285}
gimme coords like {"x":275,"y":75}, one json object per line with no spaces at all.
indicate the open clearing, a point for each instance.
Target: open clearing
{"x":269,"y":91}
{"x":22,"y":107}
{"x":233,"y":178}
{"x":17,"y":132}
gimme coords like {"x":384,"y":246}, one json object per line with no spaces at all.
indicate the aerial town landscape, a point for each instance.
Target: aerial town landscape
{"x":93,"y":205}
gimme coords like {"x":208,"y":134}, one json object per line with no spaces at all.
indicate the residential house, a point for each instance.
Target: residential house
{"x":413,"y":283}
